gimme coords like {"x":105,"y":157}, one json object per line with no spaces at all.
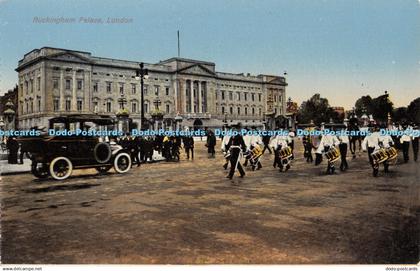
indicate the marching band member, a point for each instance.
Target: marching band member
{"x":255,"y":142}
{"x":343,"y":138}
{"x":405,"y":142}
{"x":225,"y":149}
{"x":371,"y":144}
{"x":278,"y":143}
{"x":385,"y":141}
{"x":327,"y":142}
{"x":236,"y":146}
{"x":247,"y":141}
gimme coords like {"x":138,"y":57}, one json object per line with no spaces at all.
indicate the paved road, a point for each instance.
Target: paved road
{"x":188,"y":213}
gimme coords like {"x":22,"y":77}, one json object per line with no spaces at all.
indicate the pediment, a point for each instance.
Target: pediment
{"x":69,"y":56}
{"x":196,"y":69}
{"x":277,"y":80}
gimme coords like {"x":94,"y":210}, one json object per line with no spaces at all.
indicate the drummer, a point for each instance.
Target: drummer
{"x":327,"y":142}
{"x":255,"y":142}
{"x":371,"y":144}
{"x":385,"y":141}
{"x":224,"y":148}
{"x":278,"y":143}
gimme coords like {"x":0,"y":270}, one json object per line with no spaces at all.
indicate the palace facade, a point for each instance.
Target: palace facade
{"x":53,"y":82}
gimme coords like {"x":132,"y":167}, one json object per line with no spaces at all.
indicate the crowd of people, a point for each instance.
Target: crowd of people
{"x":250,"y":148}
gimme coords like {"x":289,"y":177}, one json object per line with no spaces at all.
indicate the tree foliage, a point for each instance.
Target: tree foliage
{"x":318,"y":110}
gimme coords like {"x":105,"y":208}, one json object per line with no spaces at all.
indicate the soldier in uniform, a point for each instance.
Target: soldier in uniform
{"x":225,"y":149}
{"x":327,"y":142}
{"x":278,"y":143}
{"x":189,"y":146}
{"x":236,"y":146}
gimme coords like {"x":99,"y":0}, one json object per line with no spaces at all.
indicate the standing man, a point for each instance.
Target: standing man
{"x":236,"y":146}
{"x":281,"y":141}
{"x":307,"y":145}
{"x":211,"y":144}
{"x":225,"y":149}
{"x":189,"y":146}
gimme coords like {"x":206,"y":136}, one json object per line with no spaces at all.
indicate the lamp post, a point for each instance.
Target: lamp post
{"x":140,"y":75}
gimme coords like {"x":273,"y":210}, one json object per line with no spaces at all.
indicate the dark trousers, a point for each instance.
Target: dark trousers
{"x":330,"y":166}
{"x":374,"y":167}
{"x":266,"y":147}
{"x":415,"y":144}
{"x":235,"y":163}
{"x":308,"y":152}
{"x":405,"y":147}
{"x":343,"y":152}
{"x":188,"y":151}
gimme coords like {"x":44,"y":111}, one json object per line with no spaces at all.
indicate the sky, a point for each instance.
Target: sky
{"x":342,"y":49}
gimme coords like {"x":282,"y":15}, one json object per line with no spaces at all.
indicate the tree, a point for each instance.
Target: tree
{"x":364,"y":106}
{"x":381,"y":106}
{"x":316,"y":109}
{"x":400,"y":115}
{"x":413,"y":111}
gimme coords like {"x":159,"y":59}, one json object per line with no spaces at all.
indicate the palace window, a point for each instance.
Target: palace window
{"x":133,"y":89}
{"x":259,"y":111}
{"x":223,"y":109}
{"x":157,"y":90}
{"x":167,"y":91}
{"x":95,"y":87}
{"x":253,"y":111}
{"x":55,"y":83}
{"x":253,"y":97}
{"x":134,"y":107}
{"x":108,"y":107}
{"x":67,"y":83}
{"x":95,"y":106}
{"x":146,"y":108}
{"x":79,"y":84}
{"x":145,"y":88}
{"x":32,"y":86}
{"x":39,"y":105}
{"x":246,"y":110}
{"x":39,"y":83}
{"x":68,"y":105}
{"x":56,"y":104}
{"x":239,"y":110}
{"x":230,"y":95}
{"x":259,"y":97}
{"x":121,"y":88}
{"x":108,"y":87}
{"x":26,"y":86}
{"x":231,"y":110}
{"x":245,"y":96}
{"x":223,"y":95}
{"x":239,"y":96}
{"x":79,"y":105}
{"x":167,"y":109}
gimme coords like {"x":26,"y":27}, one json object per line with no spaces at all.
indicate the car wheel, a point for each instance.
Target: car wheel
{"x":103,"y":169}
{"x":39,"y":170}
{"x":122,"y":162}
{"x":61,"y":168}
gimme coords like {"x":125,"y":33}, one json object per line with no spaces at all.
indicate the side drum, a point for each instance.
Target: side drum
{"x":285,"y":153}
{"x":379,"y":156}
{"x":333,"y":155}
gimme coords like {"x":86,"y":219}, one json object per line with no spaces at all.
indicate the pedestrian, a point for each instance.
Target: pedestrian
{"x":307,"y":145}
{"x":13,"y":147}
{"x":189,"y":146}
{"x":134,"y":150}
{"x":211,"y":144}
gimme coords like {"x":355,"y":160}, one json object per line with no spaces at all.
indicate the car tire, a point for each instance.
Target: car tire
{"x":102,"y":152}
{"x":61,"y":168}
{"x":122,"y":162}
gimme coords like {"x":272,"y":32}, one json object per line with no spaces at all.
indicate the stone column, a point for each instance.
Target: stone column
{"x":62,"y":98}
{"x":74,"y":93}
{"x":192,"y":96}
{"x":200,"y":107}
{"x":184,"y":95}
{"x":176,"y":100}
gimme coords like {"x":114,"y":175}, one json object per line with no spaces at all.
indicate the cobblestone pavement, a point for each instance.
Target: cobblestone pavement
{"x":188,"y":212}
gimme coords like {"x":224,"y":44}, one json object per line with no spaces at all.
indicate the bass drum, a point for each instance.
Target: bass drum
{"x":102,"y":152}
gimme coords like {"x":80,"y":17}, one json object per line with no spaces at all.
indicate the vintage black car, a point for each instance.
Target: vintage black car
{"x":57,"y":155}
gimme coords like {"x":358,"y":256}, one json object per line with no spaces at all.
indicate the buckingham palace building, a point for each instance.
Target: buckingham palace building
{"x":55,"y":82}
